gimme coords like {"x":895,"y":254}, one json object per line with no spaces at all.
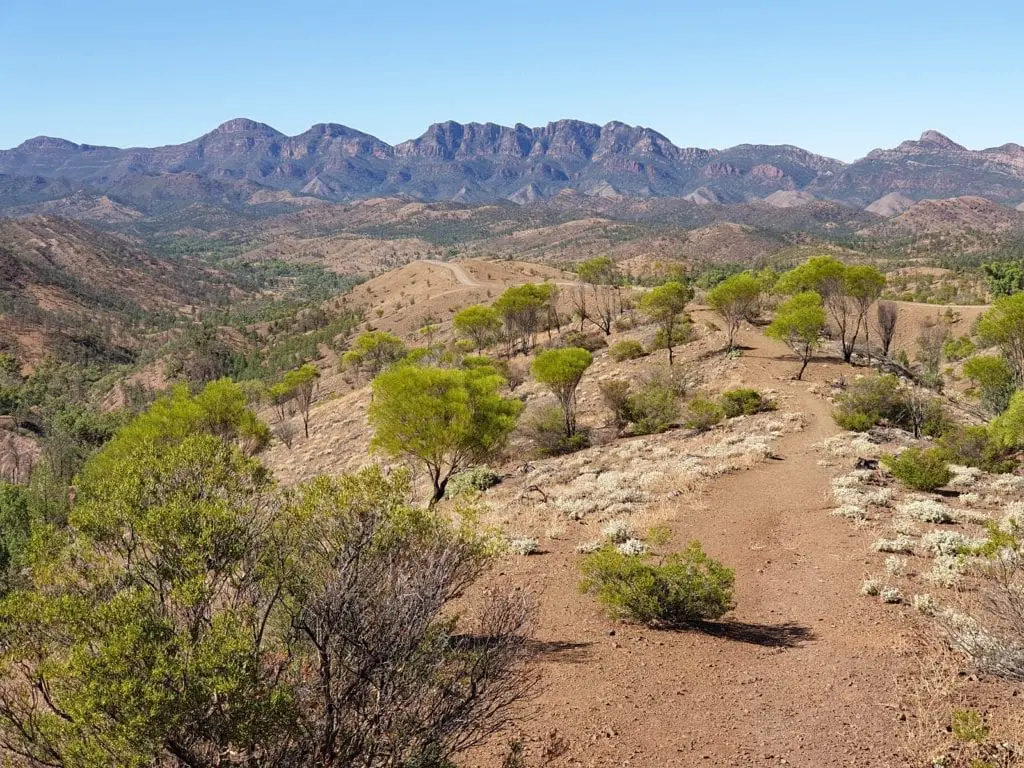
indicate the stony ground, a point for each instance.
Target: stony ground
{"x":806,"y":671}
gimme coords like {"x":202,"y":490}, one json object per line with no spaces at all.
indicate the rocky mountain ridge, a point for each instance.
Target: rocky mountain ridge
{"x":246,"y":164}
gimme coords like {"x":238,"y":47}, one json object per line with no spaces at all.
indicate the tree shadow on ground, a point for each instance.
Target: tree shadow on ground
{"x":786,"y":635}
{"x":554,"y":650}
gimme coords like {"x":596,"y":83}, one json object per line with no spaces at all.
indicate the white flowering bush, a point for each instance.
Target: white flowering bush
{"x":937,"y":543}
{"x":871,"y":586}
{"x":900,"y":545}
{"x":522,"y":545}
{"x":926,"y":510}
{"x":947,"y":571}
{"x":617,"y":531}
{"x":891,"y":595}
{"x":895,"y":565}
{"x":924,"y":604}
{"x":470,"y":480}
{"x":632,"y":547}
{"x":850,"y":512}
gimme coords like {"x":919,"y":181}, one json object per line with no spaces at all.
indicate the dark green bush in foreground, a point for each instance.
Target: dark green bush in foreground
{"x":922,"y":470}
{"x":682,"y":588}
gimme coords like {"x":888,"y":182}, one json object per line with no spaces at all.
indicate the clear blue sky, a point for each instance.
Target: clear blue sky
{"x":838,"y":77}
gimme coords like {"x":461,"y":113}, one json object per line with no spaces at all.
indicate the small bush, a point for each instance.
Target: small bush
{"x":588,"y":341}
{"x":869,"y":401}
{"x":891,"y":595}
{"x":522,"y":545}
{"x":682,"y":588}
{"x":976,"y":447}
{"x":704,"y":414}
{"x":628,"y":349}
{"x":470,"y":480}
{"x":922,"y":470}
{"x":745,"y":402}
{"x":615,"y":393}
{"x":653,"y":409}
{"x":957,"y":348}
{"x":546,"y":427}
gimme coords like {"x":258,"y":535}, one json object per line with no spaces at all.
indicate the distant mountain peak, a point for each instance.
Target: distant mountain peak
{"x":245,"y":125}
{"x":940,"y":140}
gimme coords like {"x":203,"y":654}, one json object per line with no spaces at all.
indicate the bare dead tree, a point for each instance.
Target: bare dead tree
{"x":887,"y":317}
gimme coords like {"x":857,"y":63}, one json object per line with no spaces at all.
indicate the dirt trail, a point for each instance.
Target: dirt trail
{"x":460,"y":274}
{"x":801,"y":674}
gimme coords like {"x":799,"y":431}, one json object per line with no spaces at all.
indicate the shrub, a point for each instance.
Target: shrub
{"x":588,"y":341}
{"x":628,"y":349}
{"x":522,"y":545}
{"x":869,"y":401}
{"x":615,"y":393}
{"x":680,"y":589}
{"x":654,"y":408}
{"x":957,"y":348}
{"x":546,"y":428}
{"x":976,"y":446}
{"x":470,"y":480}
{"x":922,"y":470}
{"x":745,"y":402}
{"x":704,"y":414}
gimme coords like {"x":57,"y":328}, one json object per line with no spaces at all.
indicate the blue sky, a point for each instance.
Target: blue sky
{"x":839,"y":78}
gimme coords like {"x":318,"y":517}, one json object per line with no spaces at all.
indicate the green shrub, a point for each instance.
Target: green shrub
{"x":681,"y":588}
{"x":704,"y":414}
{"x":546,"y":428}
{"x":681,"y":334}
{"x":629,"y":349}
{"x":993,"y":379}
{"x":976,"y":447}
{"x":922,"y":470}
{"x":472,"y":479}
{"x":869,"y":401}
{"x":957,"y":348}
{"x":745,"y":402}
{"x":654,"y":408}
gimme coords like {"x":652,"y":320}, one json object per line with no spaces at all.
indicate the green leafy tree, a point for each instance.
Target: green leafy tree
{"x":663,"y":305}
{"x":846,"y":292}
{"x":863,"y":286}
{"x":301,"y":384}
{"x":1004,"y":278}
{"x":444,"y":419}
{"x":561,"y":371}
{"x":993,"y":378}
{"x":1003,"y":326}
{"x":600,"y":281}
{"x":799,"y":323}
{"x":479,"y":324}
{"x":524,"y":310}
{"x":373,"y":352}
{"x":736,"y":299}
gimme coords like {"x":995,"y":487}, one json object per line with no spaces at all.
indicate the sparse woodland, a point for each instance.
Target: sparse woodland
{"x":354,"y":524}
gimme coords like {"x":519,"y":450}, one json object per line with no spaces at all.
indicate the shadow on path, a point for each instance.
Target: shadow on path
{"x":787,"y":635}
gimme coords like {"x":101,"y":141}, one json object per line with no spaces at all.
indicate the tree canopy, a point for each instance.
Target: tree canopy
{"x":663,"y":305}
{"x":442,"y":418}
{"x":737,"y":298}
{"x":799,"y":323}
{"x":561,"y":370}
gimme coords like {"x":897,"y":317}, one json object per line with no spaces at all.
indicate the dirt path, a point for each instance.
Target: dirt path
{"x":460,"y":274}
{"x":802,"y":672}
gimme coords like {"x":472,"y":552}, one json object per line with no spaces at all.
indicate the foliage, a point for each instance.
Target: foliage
{"x":993,"y":378}
{"x":682,"y":588}
{"x":682,"y":333}
{"x":373,"y":352}
{"x":663,"y":305}
{"x":479,"y":324}
{"x":627,"y":349}
{"x":181,"y":617}
{"x":703,"y":414}
{"x":1003,"y":326}
{"x":615,"y":394}
{"x":874,"y":400}
{"x":745,"y":402}
{"x":957,"y":348}
{"x":654,"y":407}
{"x":598,"y":299}
{"x":977,"y":446}
{"x":922,"y":470}
{"x":545,"y":427}
{"x":736,"y":299}
{"x":471,"y":479}
{"x":525,"y":310}
{"x":1008,"y":427}
{"x":799,"y":323}
{"x":561,"y":371}
{"x":1004,"y":278}
{"x":15,"y":530}
{"x":444,"y":419}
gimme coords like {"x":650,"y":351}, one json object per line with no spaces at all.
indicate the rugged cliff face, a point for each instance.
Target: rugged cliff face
{"x":238,"y":162}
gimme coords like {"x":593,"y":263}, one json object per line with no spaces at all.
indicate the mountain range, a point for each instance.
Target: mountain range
{"x":245,"y":164}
